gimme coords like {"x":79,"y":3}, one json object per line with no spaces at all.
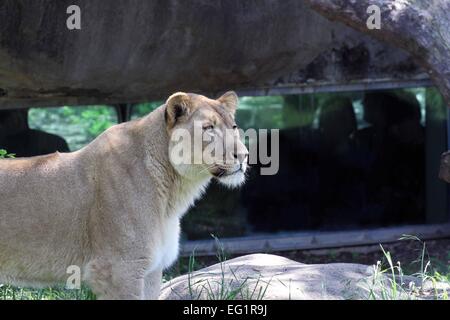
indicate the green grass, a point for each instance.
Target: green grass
{"x":389,"y":281}
{"x":13,"y":293}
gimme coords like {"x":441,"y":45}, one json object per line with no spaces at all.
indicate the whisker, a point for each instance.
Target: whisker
{"x":207,"y":168}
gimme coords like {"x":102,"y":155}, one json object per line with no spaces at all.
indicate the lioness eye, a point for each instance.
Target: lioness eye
{"x":210,"y":127}
{"x":235,"y":127}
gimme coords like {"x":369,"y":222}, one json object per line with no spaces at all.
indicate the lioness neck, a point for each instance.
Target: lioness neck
{"x":177,"y":191}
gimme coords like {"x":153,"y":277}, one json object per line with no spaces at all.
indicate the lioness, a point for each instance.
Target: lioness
{"x":113,"y":208}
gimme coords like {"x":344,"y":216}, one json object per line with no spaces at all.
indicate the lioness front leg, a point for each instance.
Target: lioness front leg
{"x":152,"y":287}
{"x":117,"y":279}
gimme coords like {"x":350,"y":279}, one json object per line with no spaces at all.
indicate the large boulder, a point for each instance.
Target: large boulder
{"x":270,"y":277}
{"x":145,"y":50}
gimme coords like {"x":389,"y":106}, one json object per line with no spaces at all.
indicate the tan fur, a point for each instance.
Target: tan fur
{"x":112,"y":208}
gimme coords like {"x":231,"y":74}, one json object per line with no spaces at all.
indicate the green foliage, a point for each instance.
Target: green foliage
{"x":5,"y":155}
{"x":96,"y":120}
{"x":142,"y":109}
{"x":260,"y":112}
{"x":436,"y":103}
{"x":78,"y":125}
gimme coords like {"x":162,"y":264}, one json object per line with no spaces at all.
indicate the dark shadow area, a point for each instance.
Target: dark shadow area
{"x":394,"y":143}
{"x":17,"y":138}
{"x":337,"y":171}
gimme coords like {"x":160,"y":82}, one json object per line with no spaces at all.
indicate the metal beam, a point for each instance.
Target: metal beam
{"x":312,"y":240}
{"x":319,"y":87}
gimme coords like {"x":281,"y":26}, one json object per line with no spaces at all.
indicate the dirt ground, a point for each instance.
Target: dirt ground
{"x":408,"y":252}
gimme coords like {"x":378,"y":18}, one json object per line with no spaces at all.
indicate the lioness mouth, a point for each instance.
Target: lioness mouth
{"x":232,"y":173}
{"x":222,"y":173}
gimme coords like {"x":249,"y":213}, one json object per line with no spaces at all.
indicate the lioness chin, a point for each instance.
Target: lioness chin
{"x":113,"y":208}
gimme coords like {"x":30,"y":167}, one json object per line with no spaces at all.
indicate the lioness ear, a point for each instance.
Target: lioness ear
{"x":230,"y":101}
{"x":177,"y":106}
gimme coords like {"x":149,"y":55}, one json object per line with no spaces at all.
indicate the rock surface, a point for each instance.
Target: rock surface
{"x":271,"y":277}
{"x":149,"y":49}
{"x":263,"y":276}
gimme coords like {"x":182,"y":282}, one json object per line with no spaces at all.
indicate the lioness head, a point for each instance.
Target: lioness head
{"x":205,"y":139}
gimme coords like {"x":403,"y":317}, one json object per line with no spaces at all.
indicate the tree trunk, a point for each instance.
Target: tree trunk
{"x":421,"y":27}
